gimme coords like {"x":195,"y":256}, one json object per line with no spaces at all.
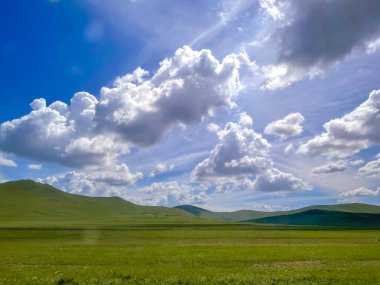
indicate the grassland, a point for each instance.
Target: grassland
{"x":192,"y":254}
{"x":51,"y":237}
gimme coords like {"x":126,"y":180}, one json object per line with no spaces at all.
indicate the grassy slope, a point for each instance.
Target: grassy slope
{"x":244,"y":215}
{"x":27,"y":200}
{"x":325,"y":218}
{"x":196,"y":256}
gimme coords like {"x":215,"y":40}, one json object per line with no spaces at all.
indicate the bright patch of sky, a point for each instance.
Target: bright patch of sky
{"x":255,"y":104}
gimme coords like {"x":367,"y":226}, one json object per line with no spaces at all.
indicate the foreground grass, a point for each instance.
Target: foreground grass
{"x":192,"y":254}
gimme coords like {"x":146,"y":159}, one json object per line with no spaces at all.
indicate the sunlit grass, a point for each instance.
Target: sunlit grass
{"x":214,"y":254}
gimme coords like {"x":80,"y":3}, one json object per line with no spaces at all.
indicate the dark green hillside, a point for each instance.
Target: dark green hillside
{"x":324,"y":218}
{"x":350,"y":207}
{"x":27,"y":200}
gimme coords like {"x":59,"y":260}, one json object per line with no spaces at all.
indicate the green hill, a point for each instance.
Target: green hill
{"x":27,"y":200}
{"x":324,"y":218}
{"x":224,"y":216}
{"x":244,"y":215}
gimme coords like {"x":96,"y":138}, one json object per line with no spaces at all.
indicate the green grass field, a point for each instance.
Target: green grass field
{"x":51,"y":237}
{"x":192,"y":254}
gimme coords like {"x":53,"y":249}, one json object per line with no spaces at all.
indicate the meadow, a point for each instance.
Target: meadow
{"x":186,"y":253}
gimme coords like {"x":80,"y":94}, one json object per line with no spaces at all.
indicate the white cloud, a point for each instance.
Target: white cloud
{"x":263,"y":207}
{"x":137,"y":110}
{"x":38,"y":104}
{"x":279,"y":76}
{"x":97,"y":182}
{"x":241,"y":160}
{"x":240,"y":151}
{"x":35,"y":166}
{"x":160,"y":169}
{"x":360,"y":192}
{"x":371,"y":169}
{"x":185,"y":89}
{"x":356,"y":162}
{"x":245,"y":120}
{"x":289,"y":148}
{"x":289,"y":126}
{"x":274,"y":180}
{"x":213,"y":128}
{"x":349,"y":134}
{"x":170,"y":194}
{"x":373,"y":46}
{"x":60,"y":133}
{"x":7,"y":162}
{"x":331,"y":167}
{"x":275,"y":8}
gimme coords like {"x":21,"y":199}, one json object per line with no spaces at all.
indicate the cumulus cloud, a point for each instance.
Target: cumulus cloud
{"x":60,"y":133}
{"x":98,"y":182}
{"x":240,"y":151}
{"x":349,"y":134}
{"x":241,"y":160}
{"x":38,"y":104}
{"x":317,"y":34}
{"x":170,"y":194}
{"x":274,"y":180}
{"x":332,"y":167}
{"x":360,"y":192}
{"x":289,"y":126}
{"x":371,"y":169}
{"x":136,"y":110}
{"x":7,"y":162}
{"x":185,"y":89}
{"x":245,"y":120}
{"x":160,"y":169}
{"x":35,"y":166}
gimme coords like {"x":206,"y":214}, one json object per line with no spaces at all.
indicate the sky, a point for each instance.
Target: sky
{"x":223,"y":104}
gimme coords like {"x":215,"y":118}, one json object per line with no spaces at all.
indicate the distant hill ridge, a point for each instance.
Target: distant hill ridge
{"x":317,"y":217}
{"x":244,"y":215}
{"x":27,"y":200}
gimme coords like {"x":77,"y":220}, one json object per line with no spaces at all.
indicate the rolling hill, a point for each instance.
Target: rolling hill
{"x":27,"y":200}
{"x":324,"y":218}
{"x":223,"y":216}
{"x":244,"y":215}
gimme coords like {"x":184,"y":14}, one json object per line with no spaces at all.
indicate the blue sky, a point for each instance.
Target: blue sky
{"x":256,"y":104}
